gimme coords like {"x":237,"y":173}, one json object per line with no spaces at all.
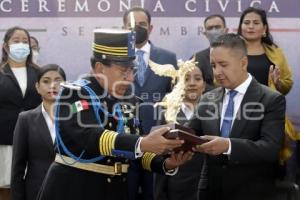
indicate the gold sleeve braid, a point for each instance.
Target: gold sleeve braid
{"x":146,"y":160}
{"x":107,"y":142}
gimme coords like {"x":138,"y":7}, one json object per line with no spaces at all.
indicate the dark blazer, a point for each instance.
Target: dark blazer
{"x":256,"y":138}
{"x":32,"y":148}
{"x":155,"y":87}
{"x":184,"y":184}
{"x":203,"y":59}
{"x":12,"y":101}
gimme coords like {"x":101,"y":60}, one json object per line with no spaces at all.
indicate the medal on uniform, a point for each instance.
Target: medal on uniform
{"x":127,"y":129}
{"x":136,"y":122}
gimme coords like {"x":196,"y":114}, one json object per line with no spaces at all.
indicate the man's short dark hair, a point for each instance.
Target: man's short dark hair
{"x":232,"y":41}
{"x":136,"y":9}
{"x":215,"y":16}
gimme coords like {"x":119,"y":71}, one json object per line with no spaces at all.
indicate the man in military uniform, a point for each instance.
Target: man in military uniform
{"x":96,"y":129}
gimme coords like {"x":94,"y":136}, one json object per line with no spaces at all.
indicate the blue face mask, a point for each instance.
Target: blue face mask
{"x":19,"y":52}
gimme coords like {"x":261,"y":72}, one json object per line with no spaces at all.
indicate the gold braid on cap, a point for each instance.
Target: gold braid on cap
{"x":173,"y":100}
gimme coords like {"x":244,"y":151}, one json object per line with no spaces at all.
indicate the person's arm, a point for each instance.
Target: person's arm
{"x":19,"y":159}
{"x":265,"y":132}
{"x":165,"y":164}
{"x":80,"y":129}
{"x":280,"y":79}
{"x":285,"y":82}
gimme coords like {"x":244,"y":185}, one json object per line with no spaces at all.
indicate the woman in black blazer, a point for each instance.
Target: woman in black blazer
{"x":17,"y":93}
{"x":34,"y":138}
{"x":184,"y":184}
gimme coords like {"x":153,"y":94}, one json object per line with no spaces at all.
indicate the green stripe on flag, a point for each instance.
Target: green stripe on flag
{"x":79,"y":106}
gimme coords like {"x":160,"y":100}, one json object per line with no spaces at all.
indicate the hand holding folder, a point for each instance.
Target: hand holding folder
{"x":183,"y":133}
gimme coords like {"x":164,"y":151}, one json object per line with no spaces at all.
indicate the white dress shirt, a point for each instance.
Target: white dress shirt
{"x":238,"y":98}
{"x":49,"y":123}
{"x":146,"y":48}
{"x":187,"y":111}
{"x":21,"y":76}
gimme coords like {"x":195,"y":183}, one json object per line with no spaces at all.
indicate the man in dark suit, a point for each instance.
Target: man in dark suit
{"x":150,"y":87}
{"x":214,"y":25}
{"x":244,"y":124}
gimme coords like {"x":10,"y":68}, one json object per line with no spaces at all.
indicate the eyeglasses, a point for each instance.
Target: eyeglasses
{"x":127,"y":72}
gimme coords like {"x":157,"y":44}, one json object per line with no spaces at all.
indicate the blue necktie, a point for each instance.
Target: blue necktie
{"x":141,"y":67}
{"x":227,"y":121}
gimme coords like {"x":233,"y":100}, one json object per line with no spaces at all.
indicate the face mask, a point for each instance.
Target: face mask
{"x":141,"y":34}
{"x":19,"y":52}
{"x":35,"y":56}
{"x":212,"y":35}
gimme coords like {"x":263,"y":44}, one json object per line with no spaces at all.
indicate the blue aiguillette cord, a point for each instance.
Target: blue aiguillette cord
{"x":97,"y":106}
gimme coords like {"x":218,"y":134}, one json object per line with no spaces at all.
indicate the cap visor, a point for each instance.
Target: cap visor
{"x":125,"y":63}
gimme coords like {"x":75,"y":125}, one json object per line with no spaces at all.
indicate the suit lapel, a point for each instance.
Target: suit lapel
{"x":148,"y":74}
{"x":252,"y":95}
{"x":153,"y":57}
{"x":216,"y":110}
{"x":31,"y":79}
{"x":45,"y":135}
{"x":209,"y":110}
{"x":181,"y":118}
{"x":9,"y":73}
{"x":207,"y":55}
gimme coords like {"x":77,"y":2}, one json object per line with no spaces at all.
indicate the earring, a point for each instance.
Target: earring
{"x":264,"y":35}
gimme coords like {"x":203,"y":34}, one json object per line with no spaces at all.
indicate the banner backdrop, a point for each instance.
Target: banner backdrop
{"x":64,"y":28}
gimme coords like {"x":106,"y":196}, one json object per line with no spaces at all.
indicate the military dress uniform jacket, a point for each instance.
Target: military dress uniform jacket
{"x":80,"y":131}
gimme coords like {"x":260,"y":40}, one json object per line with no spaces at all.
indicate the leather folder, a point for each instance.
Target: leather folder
{"x":183,"y":133}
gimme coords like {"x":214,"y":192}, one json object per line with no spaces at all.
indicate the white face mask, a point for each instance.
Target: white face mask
{"x":19,"y":52}
{"x":35,"y":56}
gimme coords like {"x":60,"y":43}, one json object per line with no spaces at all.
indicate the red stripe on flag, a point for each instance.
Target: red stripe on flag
{"x":85,"y":104}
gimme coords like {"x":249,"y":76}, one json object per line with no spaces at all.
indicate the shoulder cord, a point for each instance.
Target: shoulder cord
{"x":96,"y":104}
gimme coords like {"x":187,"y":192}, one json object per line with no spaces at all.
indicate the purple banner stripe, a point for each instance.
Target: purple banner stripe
{"x":158,"y":8}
